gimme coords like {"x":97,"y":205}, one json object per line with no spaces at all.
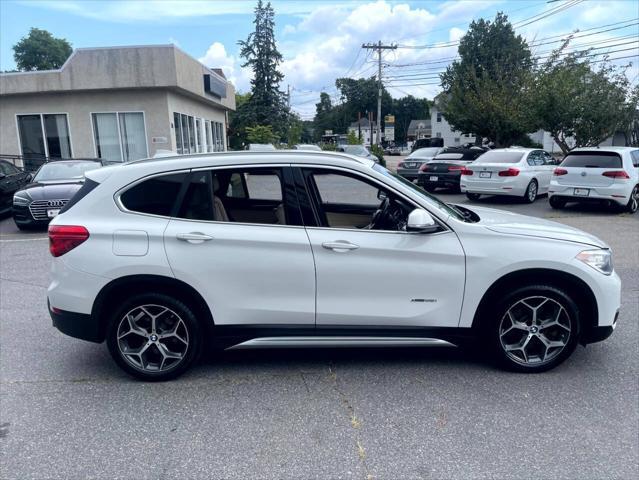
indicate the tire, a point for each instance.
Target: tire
{"x":473,"y":196}
{"x":430,"y":188}
{"x":511,"y":324}
{"x":531,"y":192}
{"x":556,"y":202}
{"x":164,"y":328}
{"x":633,"y":203}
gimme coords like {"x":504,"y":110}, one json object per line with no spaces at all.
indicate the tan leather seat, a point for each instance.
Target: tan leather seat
{"x":219,"y":212}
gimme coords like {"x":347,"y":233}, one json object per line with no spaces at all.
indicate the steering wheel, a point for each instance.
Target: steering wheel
{"x":380,"y":215}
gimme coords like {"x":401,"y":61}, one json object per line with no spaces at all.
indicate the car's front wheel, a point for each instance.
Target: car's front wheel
{"x":533,"y":329}
{"x":154,"y":337}
{"x":473,"y":196}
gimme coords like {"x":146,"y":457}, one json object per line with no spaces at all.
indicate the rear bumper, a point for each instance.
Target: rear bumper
{"x":508,"y":186}
{"x":619,"y":193}
{"x":408,"y":173}
{"x":443,"y":179}
{"x":77,"y":325}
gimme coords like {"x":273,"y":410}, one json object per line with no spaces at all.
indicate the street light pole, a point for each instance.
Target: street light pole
{"x":379,"y":47}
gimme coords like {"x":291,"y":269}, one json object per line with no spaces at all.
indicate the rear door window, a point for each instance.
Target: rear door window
{"x":155,"y":196}
{"x":635,"y":158}
{"x":592,"y":160}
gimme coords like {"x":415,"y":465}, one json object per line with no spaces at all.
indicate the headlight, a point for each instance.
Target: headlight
{"x":600,"y":260}
{"x":20,"y":200}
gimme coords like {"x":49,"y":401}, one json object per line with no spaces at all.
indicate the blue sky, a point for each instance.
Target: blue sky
{"x":320,"y":41}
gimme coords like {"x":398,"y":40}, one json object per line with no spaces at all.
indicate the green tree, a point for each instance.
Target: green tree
{"x":352,"y":138}
{"x":41,"y":51}
{"x":260,"y":134}
{"x":406,"y":109}
{"x":486,"y":92}
{"x":241,"y":118}
{"x":267,"y":103}
{"x":295,"y":131}
{"x":582,"y":104}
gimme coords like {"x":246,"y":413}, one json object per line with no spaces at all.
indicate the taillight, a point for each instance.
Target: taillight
{"x":466,"y":171}
{"x":560,"y":171}
{"x":64,"y":238}
{"x":616,"y":174}
{"x":455,"y":168}
{"x":400,"y":165}
{"x":424,"y":167}
{"x":511,"y":172}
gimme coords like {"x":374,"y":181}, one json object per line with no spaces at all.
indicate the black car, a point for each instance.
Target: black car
{"x":53,"y":186}
{"x":445,"y":170}
{"x":12,"y":179}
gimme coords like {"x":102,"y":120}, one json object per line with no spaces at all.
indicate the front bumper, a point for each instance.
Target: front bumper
{"x":23,"y":218}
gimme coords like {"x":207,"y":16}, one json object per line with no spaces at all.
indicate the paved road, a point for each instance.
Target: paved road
{"x":67,"y":412}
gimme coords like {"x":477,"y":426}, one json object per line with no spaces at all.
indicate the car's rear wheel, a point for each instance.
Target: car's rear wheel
{"x":473,"y":196}
{"x":633,"y":203}
{"x":430,"y":188}
{"x":154,"y":337}
{"x":531,"y":192}
{"x":556,"y":202}
{"x":533,"y":329}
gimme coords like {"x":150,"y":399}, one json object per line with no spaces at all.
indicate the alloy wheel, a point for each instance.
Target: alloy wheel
{"x":532,"y":192}
{"x":534,"y":330}
{"x":152,"y":338}
{"x":634,"y":200}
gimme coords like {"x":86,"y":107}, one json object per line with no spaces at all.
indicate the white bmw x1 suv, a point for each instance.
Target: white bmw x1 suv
{"x":165,"y":258}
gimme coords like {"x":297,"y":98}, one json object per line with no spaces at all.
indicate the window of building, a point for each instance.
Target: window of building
{"x":155,"y":196}
{"x":456,"y":139}
{"x":44,"y":135}
{"x":439,"y":117}
{"x":438,"y":134}
{"x":198,"y":135}
{"x":120,"y":136}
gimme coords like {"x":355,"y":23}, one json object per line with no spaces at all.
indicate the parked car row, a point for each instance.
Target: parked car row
{"x":609,"y":174}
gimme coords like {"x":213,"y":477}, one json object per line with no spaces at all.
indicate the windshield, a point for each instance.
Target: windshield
{"x":356,"y":150}
{"x":425,"y":152}
{"x":500,"y":157}
{"x":431,"y":200}
{"x":592,"y":160}
{"x":64,"y":171}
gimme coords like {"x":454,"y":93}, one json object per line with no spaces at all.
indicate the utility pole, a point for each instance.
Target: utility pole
{"x":379,"y":47}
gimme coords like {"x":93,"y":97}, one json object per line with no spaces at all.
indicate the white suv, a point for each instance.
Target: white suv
{"x":598,"y":174}
{"x":162,"y":258}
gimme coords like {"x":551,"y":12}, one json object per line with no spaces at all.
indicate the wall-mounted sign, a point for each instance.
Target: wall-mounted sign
{"x":156,"y":140}
{"x":389,"y":119}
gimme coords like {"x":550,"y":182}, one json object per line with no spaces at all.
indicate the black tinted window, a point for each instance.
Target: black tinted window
{"x":635,"y":158}
{"x":592,"y":160}
{"x":156,"y":195}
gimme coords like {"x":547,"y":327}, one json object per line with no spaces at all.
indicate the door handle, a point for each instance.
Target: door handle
{"x":340,"y":246}
{"x":194,"y":237}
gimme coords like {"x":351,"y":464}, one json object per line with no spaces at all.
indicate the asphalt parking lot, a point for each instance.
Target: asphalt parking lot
{"x":66,"y":410}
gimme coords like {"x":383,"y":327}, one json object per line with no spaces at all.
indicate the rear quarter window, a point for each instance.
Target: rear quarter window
{"x":155,"y":196}
{"x":592,"y":160}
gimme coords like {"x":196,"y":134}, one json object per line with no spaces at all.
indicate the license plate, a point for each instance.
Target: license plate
{"x":409,"y":165}
{"x":433,"y":179}
{"x":582,"y":192}
{"x":485,"y":174}
{"x":53,"y":212}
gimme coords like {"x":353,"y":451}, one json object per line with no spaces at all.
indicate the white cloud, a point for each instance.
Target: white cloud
{"x":216,"y":57}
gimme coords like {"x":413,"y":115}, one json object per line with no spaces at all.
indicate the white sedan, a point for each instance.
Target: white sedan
{"x":519,"y":172}
{"x":608,"y":174}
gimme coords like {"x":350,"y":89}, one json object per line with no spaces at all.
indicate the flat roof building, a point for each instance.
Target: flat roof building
{"x":116,"y":103}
